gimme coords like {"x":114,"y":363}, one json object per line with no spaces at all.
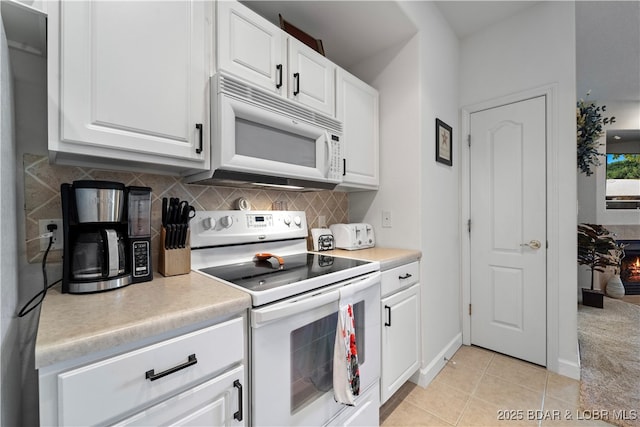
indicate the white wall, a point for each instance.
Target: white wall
{"x":532,"y":49}
{"x":399,"y":150}
{"x":10,"y":361}
{"x":591,"y":189}
{"x":417,"y":86}
{"x":30,"y":93}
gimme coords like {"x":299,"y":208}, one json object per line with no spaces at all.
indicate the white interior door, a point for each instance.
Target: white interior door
{"x":508,"y":229}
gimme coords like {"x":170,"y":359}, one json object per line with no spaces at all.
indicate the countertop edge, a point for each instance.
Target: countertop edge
{"x":388,"y":258}
{"x":147,"y":310}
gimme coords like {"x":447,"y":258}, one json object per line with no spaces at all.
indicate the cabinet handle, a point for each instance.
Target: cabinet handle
{"x":199,"y":127}
{"x":152,"y":376}
{"x":388,"y":323}
{"x":279,"y":70}
{"x":238,"y":415}
{"x":344,"y":167}
{"x":296,"y":77}
{"x":406,"y":276}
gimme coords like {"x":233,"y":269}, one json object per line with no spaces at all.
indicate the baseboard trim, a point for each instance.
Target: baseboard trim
{"x":570,"y":368}
{"x":424,"y":376}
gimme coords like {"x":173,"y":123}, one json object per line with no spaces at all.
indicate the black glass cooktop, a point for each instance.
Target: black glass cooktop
{"x":256,"y":275}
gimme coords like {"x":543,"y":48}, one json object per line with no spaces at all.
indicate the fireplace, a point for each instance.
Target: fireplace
{"x":630,"y":268}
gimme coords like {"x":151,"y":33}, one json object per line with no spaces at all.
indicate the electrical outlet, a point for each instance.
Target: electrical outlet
{"x":57,"y":234}
{"x":322,"y":221}
{"x":386,"y":219}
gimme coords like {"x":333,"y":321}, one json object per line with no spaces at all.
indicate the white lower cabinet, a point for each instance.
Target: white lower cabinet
{"x":197,"y":378}
{"x":400,"y":319}
{"x":214,"y":403}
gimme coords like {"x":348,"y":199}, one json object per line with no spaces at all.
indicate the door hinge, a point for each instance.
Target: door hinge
{"x":469,"y":140}
{"x":469,"y":309}
{"x":469,"y":225}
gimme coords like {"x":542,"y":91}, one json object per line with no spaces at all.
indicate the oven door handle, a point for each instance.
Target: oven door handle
{"x":359,"y":285}
{"x":278,"y":311}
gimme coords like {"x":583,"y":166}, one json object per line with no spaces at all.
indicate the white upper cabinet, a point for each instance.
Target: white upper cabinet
{"x":357,"y":109}
{"x":128,"y":84}
{"x":249,"y":46}
{"x":311,"y":77}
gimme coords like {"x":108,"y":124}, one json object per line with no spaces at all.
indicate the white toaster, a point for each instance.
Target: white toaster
{"x":353,"y":236}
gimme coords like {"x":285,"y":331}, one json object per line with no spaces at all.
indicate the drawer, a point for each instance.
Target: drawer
{"x":96,"y":393}
{"x":400,"y":277}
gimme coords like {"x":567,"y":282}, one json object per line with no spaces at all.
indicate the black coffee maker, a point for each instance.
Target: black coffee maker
{"x":107,"y":235}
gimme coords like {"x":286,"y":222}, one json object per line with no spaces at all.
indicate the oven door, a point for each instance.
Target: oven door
{"x":292,"y":352}
{"x":258,"y":140}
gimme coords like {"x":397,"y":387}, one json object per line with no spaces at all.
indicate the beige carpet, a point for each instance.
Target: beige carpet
{"x":610,"y":360}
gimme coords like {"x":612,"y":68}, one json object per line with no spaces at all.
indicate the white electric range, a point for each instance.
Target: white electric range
{"x":295,"y":297}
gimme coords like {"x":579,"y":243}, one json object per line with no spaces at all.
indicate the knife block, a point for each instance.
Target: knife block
{"x":172,"y":262}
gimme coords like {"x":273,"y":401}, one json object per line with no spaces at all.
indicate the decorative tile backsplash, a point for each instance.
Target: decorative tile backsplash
{"x":42,"y":198}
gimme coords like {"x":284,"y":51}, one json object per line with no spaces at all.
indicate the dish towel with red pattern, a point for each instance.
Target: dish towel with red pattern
{"x":346,"y":372}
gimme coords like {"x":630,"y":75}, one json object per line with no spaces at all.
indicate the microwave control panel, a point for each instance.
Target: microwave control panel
{"x":336,"y":162}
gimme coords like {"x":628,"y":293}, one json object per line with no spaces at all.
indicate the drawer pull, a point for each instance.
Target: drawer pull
{"x":238,"y":415}
{"x":388,"y":322}
{"x":406,"y":276}
{"x":152,"y":376}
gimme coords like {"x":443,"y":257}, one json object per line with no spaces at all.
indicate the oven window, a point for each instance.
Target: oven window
{"x":312,"y":356}
{"x":265,"y":142}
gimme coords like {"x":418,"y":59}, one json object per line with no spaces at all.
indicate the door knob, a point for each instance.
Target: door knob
{"x":533,"y":244}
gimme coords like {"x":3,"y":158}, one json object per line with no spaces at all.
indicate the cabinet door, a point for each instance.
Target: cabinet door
{"x":357,"y":108}
{"x":249,"y":46}
{"x":400,"y":339}
{"x":217,"y":402}
{"x":133,"y":79}
{"x":311,"y":77}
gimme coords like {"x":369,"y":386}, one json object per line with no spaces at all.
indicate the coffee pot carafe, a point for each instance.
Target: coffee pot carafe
{"x":98,"y":255}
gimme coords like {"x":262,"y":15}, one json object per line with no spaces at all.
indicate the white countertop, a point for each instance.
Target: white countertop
{"x":387,"y":257}
{"x":74,"y":325}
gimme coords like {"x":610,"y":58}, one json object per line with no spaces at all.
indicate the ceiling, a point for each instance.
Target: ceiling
{"x":607,"y":41}
{"x":346,"y":41}
{"x":607,"y":33}
{"x":468,"y":17}
{"x":608,"y":50}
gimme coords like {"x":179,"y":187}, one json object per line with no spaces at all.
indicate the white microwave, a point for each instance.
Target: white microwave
{"x":260,"y":138}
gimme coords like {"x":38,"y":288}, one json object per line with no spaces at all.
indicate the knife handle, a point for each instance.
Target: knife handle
{"x":165,"y":205}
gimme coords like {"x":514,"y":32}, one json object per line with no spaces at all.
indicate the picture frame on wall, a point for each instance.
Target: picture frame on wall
{"x":444,"y":146}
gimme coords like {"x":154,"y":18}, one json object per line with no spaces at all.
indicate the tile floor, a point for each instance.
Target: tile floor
{"x":482,"y":385}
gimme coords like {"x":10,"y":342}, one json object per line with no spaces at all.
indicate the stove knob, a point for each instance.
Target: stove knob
{"x":226,"y":221}
{"x":208,"y":223}
{"x":297,"y":221}
{"x":287,"y":220}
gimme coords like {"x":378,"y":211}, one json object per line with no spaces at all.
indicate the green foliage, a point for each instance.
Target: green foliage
{"x":629,"y":168}
{"x":590,"y":124}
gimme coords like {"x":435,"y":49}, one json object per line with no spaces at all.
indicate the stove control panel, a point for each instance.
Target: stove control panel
{"x":216,"y":228}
